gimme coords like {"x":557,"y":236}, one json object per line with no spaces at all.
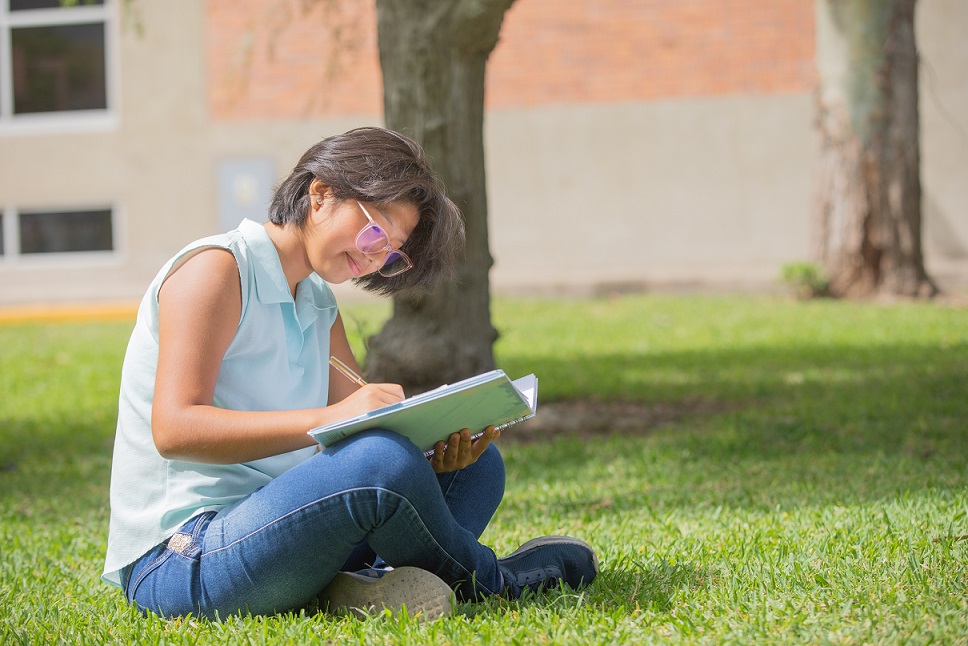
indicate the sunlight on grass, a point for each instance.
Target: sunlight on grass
{"x":820,"y":495}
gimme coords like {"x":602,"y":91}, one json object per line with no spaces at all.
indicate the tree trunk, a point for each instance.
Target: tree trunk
{"x":433,"y":55}
{"x":870,"y":184}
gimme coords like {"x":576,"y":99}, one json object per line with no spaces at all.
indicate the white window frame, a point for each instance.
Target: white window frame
{"x":69,"y":120}
{"x":13,"y":259}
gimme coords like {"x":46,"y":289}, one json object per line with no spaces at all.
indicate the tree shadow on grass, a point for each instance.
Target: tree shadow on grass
{"x":805,"y":399}
{"x":719,"y":408}
{"x":44,"y":458}
{"x":746,"y":428}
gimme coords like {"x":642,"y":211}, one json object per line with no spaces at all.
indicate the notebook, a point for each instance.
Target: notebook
{"x":474,"y":403}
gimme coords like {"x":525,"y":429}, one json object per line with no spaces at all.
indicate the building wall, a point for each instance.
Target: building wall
{"x":629,"y":143}
{"x":629,"y":204}
{"x":617,"y":51}
{"x":941,"y":28}
{"x":153,"y":165}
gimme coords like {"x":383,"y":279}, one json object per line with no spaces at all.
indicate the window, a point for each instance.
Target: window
{"x":65,"y":231}
{"x":34,"y":233}
{"x":55,"y":62}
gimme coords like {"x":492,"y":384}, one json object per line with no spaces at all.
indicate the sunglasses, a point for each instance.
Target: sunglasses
{"x":373,"y":240}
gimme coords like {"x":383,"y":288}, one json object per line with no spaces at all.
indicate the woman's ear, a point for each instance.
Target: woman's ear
{"x":318,"y":192}
{"x":319,"y":195}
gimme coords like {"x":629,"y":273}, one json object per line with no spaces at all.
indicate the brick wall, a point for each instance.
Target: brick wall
{"x":290,"y":59}
{"x":629,"y":50}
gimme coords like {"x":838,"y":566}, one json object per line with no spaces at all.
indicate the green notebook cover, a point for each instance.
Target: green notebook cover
{"x":474,"y":403}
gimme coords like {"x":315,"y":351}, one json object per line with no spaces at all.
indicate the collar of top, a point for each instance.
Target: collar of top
{"x":270,"y":280}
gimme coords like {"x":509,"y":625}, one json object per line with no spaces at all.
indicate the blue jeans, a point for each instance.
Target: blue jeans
{"x":275,"y":550}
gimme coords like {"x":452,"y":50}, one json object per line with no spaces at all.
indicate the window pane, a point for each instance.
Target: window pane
{"x":53,"y":232}
{"x":20,"y":5}
{"x":58,"y":68}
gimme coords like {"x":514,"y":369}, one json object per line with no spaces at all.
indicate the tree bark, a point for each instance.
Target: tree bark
{"x":870,"y":184}
{"x":433,"y":55}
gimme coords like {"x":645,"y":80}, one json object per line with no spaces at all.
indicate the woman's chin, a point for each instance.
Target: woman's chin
{"x":335,"y":279}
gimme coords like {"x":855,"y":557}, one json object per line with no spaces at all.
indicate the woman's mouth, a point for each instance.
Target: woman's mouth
{"x":354,"y":266}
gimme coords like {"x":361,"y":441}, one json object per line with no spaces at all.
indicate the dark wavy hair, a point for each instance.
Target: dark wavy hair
{"x":381,"y":166}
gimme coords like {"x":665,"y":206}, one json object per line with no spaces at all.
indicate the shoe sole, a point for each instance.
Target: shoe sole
{"x":424,"y":594}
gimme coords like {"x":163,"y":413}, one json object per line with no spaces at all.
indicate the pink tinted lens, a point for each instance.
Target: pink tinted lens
{"x":395,"y":263}
{"x":372,"y":239}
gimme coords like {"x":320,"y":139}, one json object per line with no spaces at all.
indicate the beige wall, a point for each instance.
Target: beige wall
{"x":154,"y":167}
{"x":682,"y":192}
{"x":712,"y":191}
{"x":942,"y":26}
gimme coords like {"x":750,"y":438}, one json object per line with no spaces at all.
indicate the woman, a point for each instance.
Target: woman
{"x":220,"y":501}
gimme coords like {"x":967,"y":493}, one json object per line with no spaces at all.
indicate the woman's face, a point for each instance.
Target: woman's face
{"x":334,"y":227}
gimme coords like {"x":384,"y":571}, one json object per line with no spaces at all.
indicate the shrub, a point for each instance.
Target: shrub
{"x":807,"y":279}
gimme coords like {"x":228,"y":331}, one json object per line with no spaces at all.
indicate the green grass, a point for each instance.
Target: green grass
{"x":813,"y":489}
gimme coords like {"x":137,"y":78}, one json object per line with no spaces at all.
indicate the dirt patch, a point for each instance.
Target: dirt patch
{"x":589,"y":418}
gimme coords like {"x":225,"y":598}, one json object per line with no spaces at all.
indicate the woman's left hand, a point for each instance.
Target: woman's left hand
{"x":460,"y":450}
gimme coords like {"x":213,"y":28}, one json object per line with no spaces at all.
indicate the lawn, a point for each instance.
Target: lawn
{"x":807,"y":481}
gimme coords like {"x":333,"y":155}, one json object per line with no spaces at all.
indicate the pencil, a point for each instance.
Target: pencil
{"x":347,"y":371}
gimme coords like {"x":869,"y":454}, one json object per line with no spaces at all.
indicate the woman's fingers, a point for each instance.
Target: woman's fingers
{"x":460,"y":451}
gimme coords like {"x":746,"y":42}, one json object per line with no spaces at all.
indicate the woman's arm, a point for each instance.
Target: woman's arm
{"x":199,"y":309}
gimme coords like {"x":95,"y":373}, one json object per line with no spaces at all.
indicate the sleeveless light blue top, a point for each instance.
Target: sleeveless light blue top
{"x":278,"y":360}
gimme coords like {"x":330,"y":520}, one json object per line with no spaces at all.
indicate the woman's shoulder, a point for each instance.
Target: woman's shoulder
{"x":209,"y":275}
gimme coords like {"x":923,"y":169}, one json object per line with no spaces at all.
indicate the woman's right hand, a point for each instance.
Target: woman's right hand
{"x":369,"y":398}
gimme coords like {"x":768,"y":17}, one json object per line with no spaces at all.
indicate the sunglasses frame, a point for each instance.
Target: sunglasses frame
{"x":388,"y":249}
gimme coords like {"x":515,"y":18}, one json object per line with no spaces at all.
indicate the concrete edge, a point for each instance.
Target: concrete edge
{"x":68,"y":313}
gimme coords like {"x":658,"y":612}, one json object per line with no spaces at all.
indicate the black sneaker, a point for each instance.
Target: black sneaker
{"x":423,"y":593}
{"x":548,"y":562}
